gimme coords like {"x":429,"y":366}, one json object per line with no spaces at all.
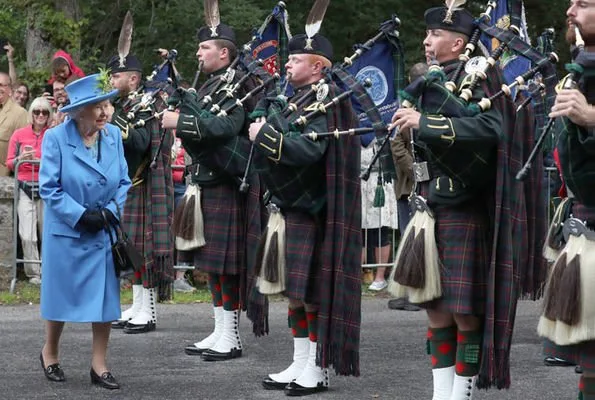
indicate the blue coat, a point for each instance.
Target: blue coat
{"x":78,"y":279}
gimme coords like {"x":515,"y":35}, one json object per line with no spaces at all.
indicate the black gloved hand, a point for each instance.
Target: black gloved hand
{"x":111,"y":218}
{"x":91,"y":221}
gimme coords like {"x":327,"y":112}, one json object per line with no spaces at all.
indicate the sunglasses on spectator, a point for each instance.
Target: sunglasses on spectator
{"x":44,"y":112}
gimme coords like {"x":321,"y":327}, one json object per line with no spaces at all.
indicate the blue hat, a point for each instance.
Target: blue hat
{"x":87,"y":90}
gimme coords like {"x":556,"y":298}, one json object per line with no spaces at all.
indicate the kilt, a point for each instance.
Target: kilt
{"x":582,"y":354}
{"x":301,"y":255}
{"x":462,"y":236}
{"x":222,"y":209}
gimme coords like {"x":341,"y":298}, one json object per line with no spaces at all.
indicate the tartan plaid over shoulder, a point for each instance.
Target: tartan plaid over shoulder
{"x":151,"y":215}
{"x":339,"y":291}
{"x":339,"y":316}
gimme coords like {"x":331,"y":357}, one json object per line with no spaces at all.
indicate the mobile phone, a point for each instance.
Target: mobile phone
{"x":3,"y":42}
{"x":28,"y":148}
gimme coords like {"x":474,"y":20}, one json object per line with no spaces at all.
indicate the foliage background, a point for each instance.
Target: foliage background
{"x":89,"y":29}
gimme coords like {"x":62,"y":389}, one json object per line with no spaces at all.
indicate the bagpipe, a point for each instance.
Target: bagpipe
{"x":434,"y":94}
{"x":310,"y":102}
{"x":569,"y":82}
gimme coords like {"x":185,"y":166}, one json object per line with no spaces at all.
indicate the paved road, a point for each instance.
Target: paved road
{"x":154,"y":366}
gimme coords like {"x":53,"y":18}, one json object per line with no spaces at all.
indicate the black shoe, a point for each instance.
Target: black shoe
{"x":212,"y":355}
{"x":106,"y":380}
{"x":557,"y":362}
{"x":293,"y":389}
{"x":402,"y":304}
{"x":270,"y":384}
{"x":132,"y":328}
{"x":52,"y":372}
{"x":119,"y":324}
{"x":192,"y":350}
{"x":578,"y":369}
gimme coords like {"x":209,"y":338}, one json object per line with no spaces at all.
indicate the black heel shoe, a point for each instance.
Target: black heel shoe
{"x":106,"y":380}
{"x":52,"y":372}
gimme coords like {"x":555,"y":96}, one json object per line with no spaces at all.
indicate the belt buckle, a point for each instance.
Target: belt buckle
{"x":576,"y":227}
{"x":273,"y":208}
{"x":418,"y":203}
{"x":421,"y":171}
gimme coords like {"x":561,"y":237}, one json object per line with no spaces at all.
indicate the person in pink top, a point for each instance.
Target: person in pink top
{"x":25,"y":145}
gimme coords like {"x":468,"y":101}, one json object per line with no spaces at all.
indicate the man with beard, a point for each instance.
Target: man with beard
{"x":569,"y":312}
{"x":147,"y":215}
{"x":12,"y":117}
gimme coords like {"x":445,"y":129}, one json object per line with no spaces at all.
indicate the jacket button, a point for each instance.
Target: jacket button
{"x":89,"y":183}
{"x":102,"y":181}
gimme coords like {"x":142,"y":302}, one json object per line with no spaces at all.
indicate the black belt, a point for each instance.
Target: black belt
{"x":29,"y":188}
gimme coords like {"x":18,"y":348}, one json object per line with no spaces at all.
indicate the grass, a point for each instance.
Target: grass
{"x":26,"y":293}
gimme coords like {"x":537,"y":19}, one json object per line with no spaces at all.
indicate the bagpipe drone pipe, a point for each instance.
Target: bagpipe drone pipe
{"x":435,"y":94}
{"x":337,"y":86}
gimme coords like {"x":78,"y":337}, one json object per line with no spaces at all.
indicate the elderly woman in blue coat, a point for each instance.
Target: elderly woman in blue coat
{"x":83,"y":176}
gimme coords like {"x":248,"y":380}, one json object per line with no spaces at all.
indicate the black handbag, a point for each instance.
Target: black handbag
{"x":127,"y":258}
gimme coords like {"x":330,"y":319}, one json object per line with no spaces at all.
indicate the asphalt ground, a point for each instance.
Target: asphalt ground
{"x":153,"y":366}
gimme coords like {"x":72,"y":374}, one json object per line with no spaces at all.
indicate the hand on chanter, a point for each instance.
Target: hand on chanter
{"x":255,"y":128}
{"x":169,"y":120}
{"x":405,"y":118}
{"x":572,"y":103}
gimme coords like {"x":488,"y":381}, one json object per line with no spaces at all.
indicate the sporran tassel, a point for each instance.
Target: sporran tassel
{"x":553,"y":288}
{"x":568,"y":307}
{"x":416,"y":270}
{"x":183,"y":225}
{"x":379,"y":198}
{"x":271,"y":277}
{"x":189,"y":221}
{"x":271,"y":266}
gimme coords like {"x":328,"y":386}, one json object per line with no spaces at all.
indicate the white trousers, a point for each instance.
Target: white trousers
{"x":30,"y":214}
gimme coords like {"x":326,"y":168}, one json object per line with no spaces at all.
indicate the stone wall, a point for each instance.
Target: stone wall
{"x":6,"y":230}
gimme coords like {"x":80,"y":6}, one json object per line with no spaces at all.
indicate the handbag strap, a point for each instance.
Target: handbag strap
{"x":108,"y":227}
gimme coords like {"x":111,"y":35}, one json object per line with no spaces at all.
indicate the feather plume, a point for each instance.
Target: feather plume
{"x":451,"y":7}
{"x":212,"y":18}
{"x":125,"y":39}
{"x":314,"y":20}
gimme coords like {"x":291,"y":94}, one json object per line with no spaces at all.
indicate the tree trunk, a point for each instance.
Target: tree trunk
{"x":71,"y":9}
{"x":38,"y":48}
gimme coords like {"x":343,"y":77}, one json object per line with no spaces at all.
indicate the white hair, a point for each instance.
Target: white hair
{"x":40,"y":103}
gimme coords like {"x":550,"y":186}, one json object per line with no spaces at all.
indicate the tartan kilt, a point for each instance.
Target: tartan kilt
{"x":582,"y":354}
{"x":222,"y":209}
{"x":301,"y":241}
{"x":463,"y":247}
{"x":134,"y":221}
